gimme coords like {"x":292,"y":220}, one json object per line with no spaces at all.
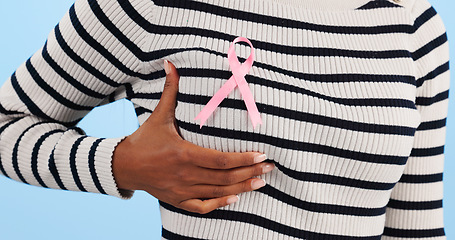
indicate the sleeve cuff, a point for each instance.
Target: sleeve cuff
{"x":103,"y":166}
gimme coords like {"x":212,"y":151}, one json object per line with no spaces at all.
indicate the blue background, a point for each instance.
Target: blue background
{"x":28,"y":212}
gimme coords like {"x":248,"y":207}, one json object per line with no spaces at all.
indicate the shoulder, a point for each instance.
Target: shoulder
{"x":422,"y":12}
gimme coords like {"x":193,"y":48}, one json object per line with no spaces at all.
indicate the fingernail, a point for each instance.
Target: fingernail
{"x":260,"y":158}
{"x":256,"y":184}
{"x":233,"y":199}
{"x":167,"y":68}
{"x":268,"y":168}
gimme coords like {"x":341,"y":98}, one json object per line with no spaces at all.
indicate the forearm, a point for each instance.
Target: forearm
{"x":47,"y":154}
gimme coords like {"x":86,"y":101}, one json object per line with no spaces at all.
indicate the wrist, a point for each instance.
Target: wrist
{"x":120,"y":167}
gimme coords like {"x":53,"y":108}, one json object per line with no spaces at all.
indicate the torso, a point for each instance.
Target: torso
{"x":336,"y":101}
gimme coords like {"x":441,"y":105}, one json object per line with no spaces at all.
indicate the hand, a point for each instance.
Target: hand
{"x":156,"y":159}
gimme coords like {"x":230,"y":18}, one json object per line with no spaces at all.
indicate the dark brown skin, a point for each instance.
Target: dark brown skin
{"x":156,"y":159}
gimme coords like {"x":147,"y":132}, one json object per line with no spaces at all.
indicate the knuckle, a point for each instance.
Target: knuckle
{"x":229,"y":178}
{"x":167,"y":83}
{"x":183,"y":176}
{"x":221,"y":161}
{"x":257,"y":170}
{"x":218,"y":191}
{"x":183,"y":153}
{"x":180,"y":153}
{"x":246,"y":186}
{"x":178,"y":193}
{"x":246,"y":160}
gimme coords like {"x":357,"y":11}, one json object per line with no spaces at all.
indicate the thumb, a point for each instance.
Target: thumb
{"x":168,"y":100}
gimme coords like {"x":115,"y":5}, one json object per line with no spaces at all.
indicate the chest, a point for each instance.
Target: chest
{"x":331,"y":87}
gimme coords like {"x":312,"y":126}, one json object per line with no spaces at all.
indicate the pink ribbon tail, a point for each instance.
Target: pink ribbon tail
{"x":238,"y":79}
{"x":216,"y":100}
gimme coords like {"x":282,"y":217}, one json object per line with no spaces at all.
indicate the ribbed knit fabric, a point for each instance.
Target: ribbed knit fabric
{"x":352,"y":95}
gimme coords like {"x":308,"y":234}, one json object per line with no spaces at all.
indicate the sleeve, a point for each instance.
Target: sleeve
{"x":415,"y":206}
{"x":89,"y":56}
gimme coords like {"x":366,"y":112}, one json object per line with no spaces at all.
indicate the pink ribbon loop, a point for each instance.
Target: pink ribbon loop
{"x":237,"y":79}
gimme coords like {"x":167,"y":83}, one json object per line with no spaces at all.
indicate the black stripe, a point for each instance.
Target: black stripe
{"x":2,"y":169}
{"x":427,"y":152}
{"x":91,"y":164}
{"x":101,"y":16}
{"x":111,"y":97}
{"x":376,"y":102}
{"x":98,"y":47}
{"x":32,"y":107}
{"x":405,"y":205}
{"x":430,"y":178}
{"x":336,"y":180}
{"x":408,"y":233}
{"x":424,"y":17}
{"x":283,"y":49}
{"x":320,"y":207}
{"x":280,"y":22}
{"x":35,"y":110}
{"x":2,"y":129}
{"x":265,"y":223}
{"x":14,"y":157}
{"x":9,"y":112}
{"x":170,"y":235}
{"x":300,"y":116}
{"x":81,"y":62}
{"x":292,"y":145}
{"x":334,"y":77}
{"x":291,"y":114}
{"x":326,"y":78}
{"x":141,"y":110}
{"x":35,"y":152}
{"x":378,"y":4}
{"x":287,"y":113}
{"x":51,"y":91}
{"x":68,"y":78}
{"x":430,"y":46}
{"x":433,"y":74}
{"x":79,"y":130}
{"x":129,"y":89}
{"x":54,"y":171}
{"x":437,"y":124}
{"x":138,"y":19}
{"x":73,"y":166}
{"x":427,"y":101}
{"x":291,"y":50}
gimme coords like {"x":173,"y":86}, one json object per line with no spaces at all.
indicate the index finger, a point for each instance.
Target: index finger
{"x":214,"y":159}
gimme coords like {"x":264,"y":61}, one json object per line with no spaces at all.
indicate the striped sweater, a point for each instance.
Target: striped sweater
{"x":352,"y":94}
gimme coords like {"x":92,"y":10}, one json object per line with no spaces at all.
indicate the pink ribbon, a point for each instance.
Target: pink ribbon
{"x":239,"y":72}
